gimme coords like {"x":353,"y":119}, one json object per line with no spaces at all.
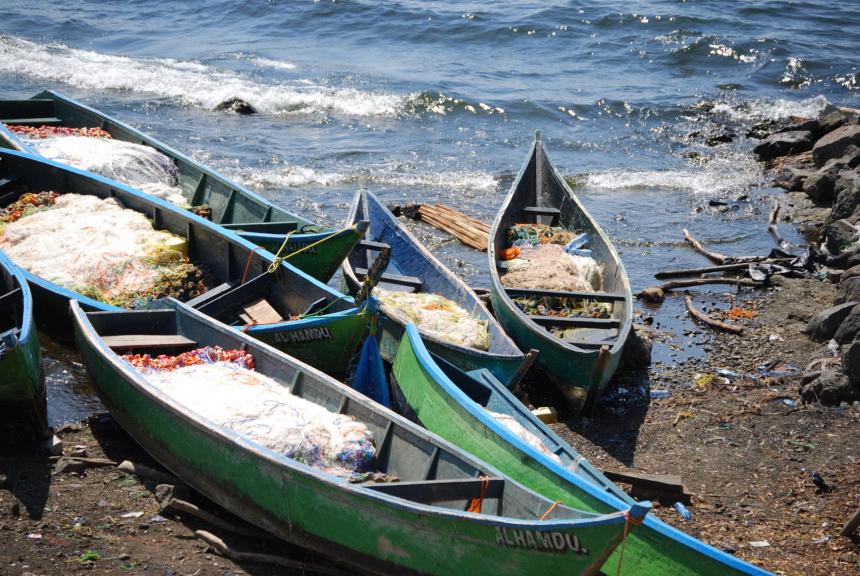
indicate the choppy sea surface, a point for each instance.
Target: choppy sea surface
{"x":438,"y":102}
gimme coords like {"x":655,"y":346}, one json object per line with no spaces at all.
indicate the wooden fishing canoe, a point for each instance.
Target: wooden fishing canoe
{"x":313,"y":250}
{"x":22,"y":378}
{"x":415,"y":525}
{"x":581,"y":365}
{"x":412,"y":267}
{"x":330,"y":326}
{"x":457,"y":406}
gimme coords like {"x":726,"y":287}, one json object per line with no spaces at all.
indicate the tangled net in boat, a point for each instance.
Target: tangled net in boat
{"x":39,"y":132}
{"x":549,"y":267}
{"x":565,"y":307}
{"x":437,"y":316}
{"x":139,"y":166}
{"x":528,"y":235}
{"x":102,"y":251}
{"x":222,"y":386}
{"x":26,"y":204}
{"x":524,"y":434}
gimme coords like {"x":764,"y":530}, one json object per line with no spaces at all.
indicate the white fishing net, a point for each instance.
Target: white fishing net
{"x":437,"y":316}
{"x":549,"y":267}
{"x":257,"y":407}
{"x":137,"y":165}
{"x":91,"y":245}
{"x":523,"y":434}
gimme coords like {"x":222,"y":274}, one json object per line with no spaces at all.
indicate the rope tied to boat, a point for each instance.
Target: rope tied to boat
{"x":276,"y":263}
{"x":476,"y":503}
{"x":248,"y":263}
{"x":628,"y":520}
{"x":549,"y":510}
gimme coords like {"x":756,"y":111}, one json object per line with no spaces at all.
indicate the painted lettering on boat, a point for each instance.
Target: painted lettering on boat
{"x":539,"y":540}
{"x":303,"y":335}
{"x":299,"y":244}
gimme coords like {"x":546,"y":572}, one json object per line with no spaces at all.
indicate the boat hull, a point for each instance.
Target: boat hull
{"x":440,"y":406}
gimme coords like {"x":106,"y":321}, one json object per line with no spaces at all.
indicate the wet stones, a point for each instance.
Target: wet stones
{"x":791,"y":178}
{"x":236,"y":105}
{"x":783,"y":144}
{"x":840,"y":235}
{"x":835,"y":143}
{"x":824,"y":325}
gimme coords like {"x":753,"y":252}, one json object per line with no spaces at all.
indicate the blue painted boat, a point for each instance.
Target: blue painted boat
{"x":464,"y":408}
{"x":22,"y":377}
{"x":313,"y":250}
{"x":412,"y":267}
{"x":317,"y":323}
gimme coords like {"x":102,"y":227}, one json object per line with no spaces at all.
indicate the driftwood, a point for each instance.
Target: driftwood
{"x":689,"y":282}
{"x":716,"y":256}
{"x":466,"y":229}
{"x":189,"y":508}
{"x":852,"y":525}
{"x":221,"y":548}
{"x":688,"y":300}
{"x":710,"y":269}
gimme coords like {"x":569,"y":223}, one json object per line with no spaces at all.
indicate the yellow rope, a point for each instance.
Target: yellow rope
{"x":279,"y":258}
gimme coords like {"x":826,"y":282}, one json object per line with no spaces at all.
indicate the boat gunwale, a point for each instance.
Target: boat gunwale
{"x":349,"y":273}
{"x":499,"y":290}
{"x":481,"y":414}
{"x":138,"y":380}
{"x":25,"y":327}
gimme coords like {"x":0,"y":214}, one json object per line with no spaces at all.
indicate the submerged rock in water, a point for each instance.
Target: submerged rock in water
{"x":236,"y":105}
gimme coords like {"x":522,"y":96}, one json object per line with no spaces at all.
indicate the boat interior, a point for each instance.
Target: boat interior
{"x":11,"y":305}
{"x":410,"y":464}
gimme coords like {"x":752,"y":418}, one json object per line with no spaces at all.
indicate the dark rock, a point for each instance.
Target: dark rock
{"x":819,"y":185}
{"x":823,"y":325}
{"x":831,"y":121}
{"x":840,"y":236}
{"x":68,"y":466}
{"x":791,"y":178}
{"x":847,"y":196}
{"x":236,"y":105}
{"x":810,"y":124}
{"x":761,"y":130}
{"x":636,"y":352}
{"x":783,"y":144}
{"x":851,"y":362}
{"x":831,"y":387}
{"x":850,"y":273}
{"x":723,"y":138}
{"x":849,"y":290}
{"x":845,"y":260}
{"x":849,"y":327}
{"x":834,"y":144}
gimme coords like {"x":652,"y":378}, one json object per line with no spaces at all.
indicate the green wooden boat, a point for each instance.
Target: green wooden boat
{"x":308,"y":247}
{"x":582,"y":362}
{"x":413,"y":268}
{"x":22,"y":378}
{"x":415,"y":525}
{"x":311,"y":320}
{"x":464,"y":407}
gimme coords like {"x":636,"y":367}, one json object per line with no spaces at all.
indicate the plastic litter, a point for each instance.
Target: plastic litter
{"x":788,"y":369}
{"x":759,"y":543}
{"x":657,"y":394}
{"x":437,"y":316}
{"x":728,"y":374}
{"x":131,"y":515}
{"x":789,"y":402}
{"x":682,"y":510}
{"x":833,"y":348}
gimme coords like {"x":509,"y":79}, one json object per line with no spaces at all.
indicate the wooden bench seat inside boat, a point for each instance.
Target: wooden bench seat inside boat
{"x":46,"y":121}
{"x":533,"y":292}
{"x":154,"y":342}
{"x":260,"y":312}
{"x":538,"y":211}
{"x":263,"y":227}
{"x":448,"y":490}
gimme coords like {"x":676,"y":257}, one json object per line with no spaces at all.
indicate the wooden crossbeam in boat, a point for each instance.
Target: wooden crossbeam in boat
{"x":398,"y":279}
{"x":577,"y":322}
{"x":127,"y":342}
{"x":373,"y":246}
{"x":538,"y":211}
{"x":211,"y":294}
{"x":263,"y":227}
{"x":446,"y":490}
{"x":46,"y":121}
{"x":9,"y":297}
{"x":598,"y":296}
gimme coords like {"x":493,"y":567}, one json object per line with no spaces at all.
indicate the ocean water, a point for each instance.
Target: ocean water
{"x":438,"y":102}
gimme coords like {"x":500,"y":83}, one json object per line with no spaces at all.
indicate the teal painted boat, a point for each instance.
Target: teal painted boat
{"x":418,"y":524}
{"x":478,"y":414}
{"x":413,"y":268}
{"x":311,"y":320}
{"x":308,"y":247}
{"x":22,"y":378}
{"x":581,"y":361}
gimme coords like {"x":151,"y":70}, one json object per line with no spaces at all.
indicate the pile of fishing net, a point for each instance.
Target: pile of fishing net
{"x":437,"y":316}
{"x":524,"y":434}
{"x":139,"y":166}
{"x":100,"y":250}
{"x":222,"y":386}
{"x":530,"y":235}
{"x":549,"y":267}
{"x":563,"y":306}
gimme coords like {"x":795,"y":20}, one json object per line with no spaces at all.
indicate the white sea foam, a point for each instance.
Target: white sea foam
{"x":766,"y":109}
{"x":190,"y":83}
{"x":271,"y":63}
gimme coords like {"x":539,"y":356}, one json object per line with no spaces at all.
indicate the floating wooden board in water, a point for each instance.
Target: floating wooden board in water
{"x":456,"y":406}
{"x":579,"y":369}
{"x":231,"y":204}
{"x":417,"y":525}
{"x":22,"y":378}
{"x":414,"y":267}
{"x":326,"y":339}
